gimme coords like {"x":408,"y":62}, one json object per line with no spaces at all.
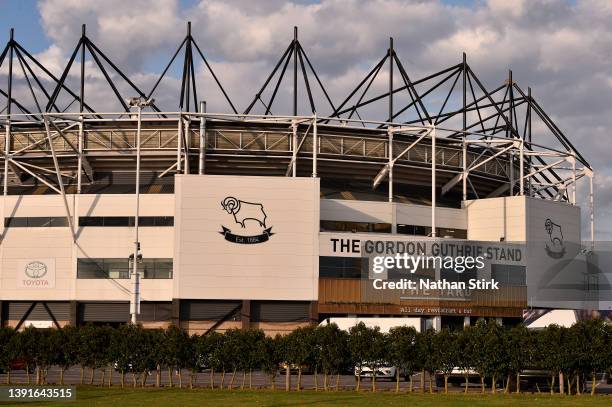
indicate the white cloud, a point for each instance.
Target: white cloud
{"x":561,"y":49}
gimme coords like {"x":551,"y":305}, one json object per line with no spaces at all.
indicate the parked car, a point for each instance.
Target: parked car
{"x":382,"y":372}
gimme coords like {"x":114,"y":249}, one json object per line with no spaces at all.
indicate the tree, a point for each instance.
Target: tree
{"x":403,"y":353}
{"x":6,"y":351}
{"x":445,"y":344}
{"x":467,"y":352}
{"x":549,"y":357}
{"x":93,"y":348}
{"x":252,"y":358}
{"x":67,"y":349}
{"x":178,"y":350}
{"x":495,"y":364}
{"x":519,"y":351}
{"x":158,"y":355}
{"x":232,"y":348}
{"x":271,"y":357}
{"x":335,"y":355}
{"x":24,"y":345}
{"x":366,"y":349}
{"x":208,"y":347}
{"x":121,"y":349}
{"x":298,"y":350}
{"x":426,"y":344}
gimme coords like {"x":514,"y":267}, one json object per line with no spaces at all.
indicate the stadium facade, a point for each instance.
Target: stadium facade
{"x":261,"y":220}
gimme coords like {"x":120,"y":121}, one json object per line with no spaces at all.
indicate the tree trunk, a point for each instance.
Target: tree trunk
{"x":243,"y":380}
{"x":445,"y":384}
{"x":143,"y":379}
{"x":373,"y":379}
{"x":28,"y":374}
{"x":61,"y":375}
{"x":122,"y":379}
{"x":299,"y":379}
{"x":467,"y":381}
{"x":397,"y":380}
{"x":232,"y":379}
{"x":288,"y":378}
{"x":110,"y":376}
{"x":561,"y":383}
{"x":180,"y":375}
{"x":212,"y":378}
{"x":133,"y":378}
{"x":273,"y":381}
{"x":410,"y":385}
{"x":337,"y":380}
{"x":191,"y":379}
{"x":430,"y":383}
{"x":170,"y":377}
{"x":507,"y":388}
{"x":518,"y":383}
{"x":102,"y":377}
{"x":552,"y":384}
{"x":222,"y":378}
{"x":250,"y":378}
{"x":422,"y":381}
{"x":91,"y":377}
{"x":325,"y":380}
{"x":578,"y":389}
{"x":82,"y":374}
{"x":493,"y":384}
{"x":593,"y":384}
{"x":158,"y":375}
{"x":358,"y":381}
{"x":316,"y":379}
{"x":8,"y":376}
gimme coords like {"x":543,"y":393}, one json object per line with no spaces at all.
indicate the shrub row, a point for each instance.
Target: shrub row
{"x":495,"y":353}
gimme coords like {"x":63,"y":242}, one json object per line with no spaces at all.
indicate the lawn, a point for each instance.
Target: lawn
{"x":91,"y":396}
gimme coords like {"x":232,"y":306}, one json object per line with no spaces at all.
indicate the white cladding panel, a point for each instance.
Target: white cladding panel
{"x":210,"y":264}
{"x":492,"y":219}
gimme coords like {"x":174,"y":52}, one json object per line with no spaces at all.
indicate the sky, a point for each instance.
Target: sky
{"x":562,"y":49}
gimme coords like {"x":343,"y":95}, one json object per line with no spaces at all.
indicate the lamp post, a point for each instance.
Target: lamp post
{"x":136,"y":257}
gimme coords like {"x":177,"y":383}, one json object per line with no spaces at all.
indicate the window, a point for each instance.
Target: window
{"x":157,"y":268}
{"x":125,"y":221}
{"x":36,"y":222}
{"x":417,"y":230}
{"x":340,"y":226}
{"x":120,"y":268}
{"x":103,"y":268}
{"x":342,"y":267}
{"x":509,"y":274}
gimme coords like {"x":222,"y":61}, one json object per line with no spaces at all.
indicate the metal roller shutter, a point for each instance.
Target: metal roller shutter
{"x":105,"y":312}
{"x":280,"y":311}
{"x":60,"y":310}
{"x":155,"y":311}
{"x":208,"y":310}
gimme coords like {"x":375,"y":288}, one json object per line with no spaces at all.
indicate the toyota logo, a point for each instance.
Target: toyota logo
{"x":35,"y":269}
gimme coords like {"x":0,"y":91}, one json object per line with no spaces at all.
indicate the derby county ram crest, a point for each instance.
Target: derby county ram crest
{"x":555,"y":248}
{"x":251,"y":217}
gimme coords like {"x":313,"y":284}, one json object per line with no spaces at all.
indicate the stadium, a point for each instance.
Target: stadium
{"x":254,"y":219}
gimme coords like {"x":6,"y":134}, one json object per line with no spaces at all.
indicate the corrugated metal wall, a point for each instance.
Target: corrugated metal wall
{"x":192,"y":310}
{"x":280,"y":311}
{"x":104,"y":312}
{"x":60,"y":310}
{"x":155,"y":311}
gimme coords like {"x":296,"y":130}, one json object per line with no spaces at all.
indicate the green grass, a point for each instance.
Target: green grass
{"x":92,"y":396}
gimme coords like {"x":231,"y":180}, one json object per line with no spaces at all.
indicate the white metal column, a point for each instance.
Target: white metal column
{"x":433,"y":181}
{"x":135,"y":277}
{"x":202,"y":156}
{"x":315,"y":145}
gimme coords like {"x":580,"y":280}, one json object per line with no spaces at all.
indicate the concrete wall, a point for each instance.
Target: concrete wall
{"x":209,"y":265}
